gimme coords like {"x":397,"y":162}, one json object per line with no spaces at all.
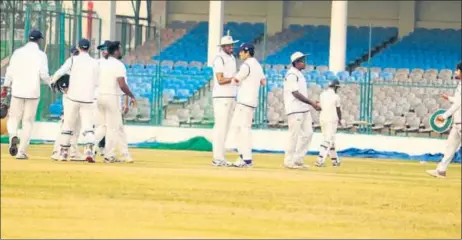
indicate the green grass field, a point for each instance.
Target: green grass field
{"x":177,"y":194}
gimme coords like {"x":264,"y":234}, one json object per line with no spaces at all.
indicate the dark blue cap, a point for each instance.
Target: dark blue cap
{"x":84,"y":44}
{"x":247,"y":47}
{"x":35,"y":35}
{"x":103,"y":45}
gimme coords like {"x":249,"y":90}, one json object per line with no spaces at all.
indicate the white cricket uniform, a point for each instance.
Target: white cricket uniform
{"x":75,"y":137}
{"x":224,"y":101}
{"x":82,"y":83}
{"x":28,"y":65}
{"x":329,"y":101}
{"x":249,"y":76}
{"x":299,"y":118}
{"x":109,"y":104}
{"x":454,"y":139}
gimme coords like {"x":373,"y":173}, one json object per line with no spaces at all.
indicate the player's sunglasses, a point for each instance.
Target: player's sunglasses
{"x":302,"y":60}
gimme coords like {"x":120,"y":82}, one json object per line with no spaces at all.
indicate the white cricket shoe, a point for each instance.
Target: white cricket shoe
{"x":110,"y":159}
{"x":301,"y":164}
{"x":77,"y":156}
{"x":243,"y":164}
{"x":55,"y":156}
{"x":221,"y":163}
{"x":127,"y":158}
{"x":319,"y":164}
{"x":436,"y":173}
{"x":22,"y":156}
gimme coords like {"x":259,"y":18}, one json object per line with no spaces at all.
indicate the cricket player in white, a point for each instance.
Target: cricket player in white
{"x":455,"y":135}
{"x":100,"y":127}
{"x":112,"y":85}
{"x":224,"y":98}
{"x":28,"y":65}
{"x":75,"y":154}
{"x":297,"y":109}
{"x":330,"y":118}
{"x":249,"y":78}
{"x":82,"y":83}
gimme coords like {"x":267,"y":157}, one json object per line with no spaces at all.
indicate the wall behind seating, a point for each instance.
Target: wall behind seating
{"x":442,"y":14}
{"x":438,"y":14}
{"x":360,"y":13}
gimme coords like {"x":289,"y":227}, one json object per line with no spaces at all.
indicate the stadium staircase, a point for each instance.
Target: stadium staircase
{"x":375,"y":50}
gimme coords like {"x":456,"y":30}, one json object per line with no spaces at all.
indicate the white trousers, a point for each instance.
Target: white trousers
{"x":452,"y":146}
{"x":223,"y":111}
{"x":75,"y":136}
{"x":241,"y":126}
{"x":328,"y":130}
{"x":110,"y":117}
{"x":85,"y":111}
{"x":299,"y":138}
{"x":22,"y":110}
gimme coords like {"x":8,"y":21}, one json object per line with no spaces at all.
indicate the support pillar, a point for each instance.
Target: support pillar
{"x":216,"y":16}
{"x":159,"y":13}
{"x":108,"y":30}
{"x":275,"y":16}
{"x":406,"y":22}
{"x":338,"y":34}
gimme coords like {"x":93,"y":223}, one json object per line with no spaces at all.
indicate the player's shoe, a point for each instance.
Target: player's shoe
{"x":63,"y":157}
{"x":14,"y":146}
{"x":127,"y":158}
{"x":292,"y":166}
{"x":55,"y":155}
{"x":221,"y":163}
{"x":243,"y":163}
{"x":301,"y":164}
{"x":89,"y":156}
{"x":22,"y":156}
{"x":77,"y":157}
{"x":436,"y":173}
{"x":319,"y":164}
{"x":110,"y":159}
{"x":336,"y":163}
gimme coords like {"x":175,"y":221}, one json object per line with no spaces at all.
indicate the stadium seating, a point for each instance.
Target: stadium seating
{"x":315,"y":41}
{"x":193,"y":46}
{"x":423,"y":48}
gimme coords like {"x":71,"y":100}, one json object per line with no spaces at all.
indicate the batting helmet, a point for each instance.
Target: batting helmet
{"x":61,"y":84}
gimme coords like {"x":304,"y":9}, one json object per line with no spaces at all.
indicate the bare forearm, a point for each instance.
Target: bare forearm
{"x":302,"y":98}
{"x":224,"y":81}
{"x":127,"y":91}
{"x":339,"y":114}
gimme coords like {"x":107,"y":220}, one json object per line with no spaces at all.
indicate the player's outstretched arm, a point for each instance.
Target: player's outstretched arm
{"x":454,"y":107}
{"x":66,"y":67}
{"x":304,"y":99}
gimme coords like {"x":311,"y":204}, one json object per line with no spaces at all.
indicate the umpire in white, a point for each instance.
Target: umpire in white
{"x":82,"y":83}
{"x":455,"y":135}
{"x":224,"y":98}
{"x":297,"y":109}
{"x":28,"y":65}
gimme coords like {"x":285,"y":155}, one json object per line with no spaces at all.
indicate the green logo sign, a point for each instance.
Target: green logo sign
{"x":439,"y":127}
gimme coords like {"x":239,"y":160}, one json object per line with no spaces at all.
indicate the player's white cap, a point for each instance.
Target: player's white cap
{"x":227,"y":40}
{"x":296,"y":56}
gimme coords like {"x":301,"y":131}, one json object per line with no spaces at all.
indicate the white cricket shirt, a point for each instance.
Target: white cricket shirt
{"x":295,"y":81}
{"x":110,"y":70}
{"x":456,"y":109}
{"x":225,"y":64}
{"x":250,"y":74}
{"x":83,"y":77}
{"x":329,"y":101}
{"x":27,"y":66}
